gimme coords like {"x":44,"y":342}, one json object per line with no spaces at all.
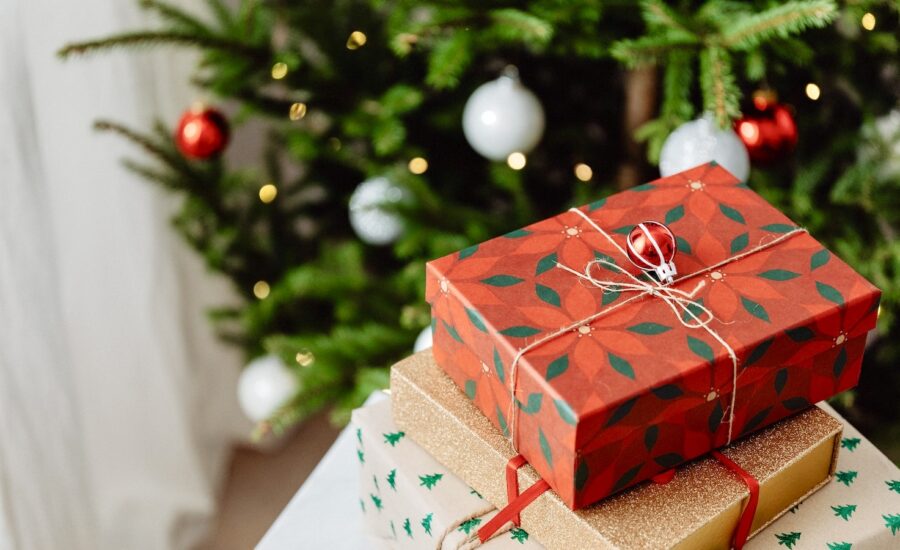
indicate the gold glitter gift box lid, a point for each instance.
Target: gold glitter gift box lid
{"x":698,"y":509}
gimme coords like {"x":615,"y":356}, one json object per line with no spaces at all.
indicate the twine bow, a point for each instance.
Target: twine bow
{"x":696,"y":315}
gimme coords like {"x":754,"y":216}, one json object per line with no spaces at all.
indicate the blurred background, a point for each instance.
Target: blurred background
{"x":216,"y":213}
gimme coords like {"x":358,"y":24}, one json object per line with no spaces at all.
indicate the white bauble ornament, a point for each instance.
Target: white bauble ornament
{"x":265,"y":385}
{"x":880,"y":146}
{"x":503,"y":117}
{"x":700,"y":141}
{"x":424,"y":340}
{"x":373,"y":223}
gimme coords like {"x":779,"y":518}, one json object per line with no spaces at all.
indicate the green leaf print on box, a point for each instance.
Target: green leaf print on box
{"x":392,"y":479}
{"x":844,"y":511}
{"x":893,"y":485}
{"x":360,"y":456}
{"x":377,"y":502}
{"x":839,"y":546}
{"x":850,"y":443}
{"x":407,"y":527}
{"x":467,"y":526}
{"x":393,"y":438}
{"x":519,"y":535}
{"x":429,"y":481}
{"x":788,"y":539}
{"x":892,"y":522}
{"x":426,"y":524}
{"x":846,"y":477}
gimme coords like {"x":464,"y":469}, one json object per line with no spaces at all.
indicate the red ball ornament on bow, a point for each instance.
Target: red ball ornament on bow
{"x":768,"y":129}
{"x":651,"y":247}
{"x":201,"y":133}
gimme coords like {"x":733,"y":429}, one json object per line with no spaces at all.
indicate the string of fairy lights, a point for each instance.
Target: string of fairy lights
{"x":516,"y":160}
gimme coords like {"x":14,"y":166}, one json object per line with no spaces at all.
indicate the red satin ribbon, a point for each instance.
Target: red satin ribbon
{"x":515,"y":502}
{"x":746,"y":519}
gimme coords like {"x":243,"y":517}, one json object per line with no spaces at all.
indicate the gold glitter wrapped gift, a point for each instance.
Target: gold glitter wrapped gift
{"x":698,"y":509}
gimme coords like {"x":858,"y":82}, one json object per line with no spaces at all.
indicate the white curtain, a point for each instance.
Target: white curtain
{"x":116,"y":402}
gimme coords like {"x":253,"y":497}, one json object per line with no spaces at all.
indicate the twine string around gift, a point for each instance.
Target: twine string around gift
{"x":695,"y":315}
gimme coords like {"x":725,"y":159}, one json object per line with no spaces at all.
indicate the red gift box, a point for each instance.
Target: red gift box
{"x":616,"y":384}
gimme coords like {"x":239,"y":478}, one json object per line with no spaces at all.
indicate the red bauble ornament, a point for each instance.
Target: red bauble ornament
{"x":651,"y":247}
{"x":768,"y":130}
{"x":201,"y":133}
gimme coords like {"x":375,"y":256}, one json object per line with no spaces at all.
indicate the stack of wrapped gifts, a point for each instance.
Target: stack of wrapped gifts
{"x":636,"y":373}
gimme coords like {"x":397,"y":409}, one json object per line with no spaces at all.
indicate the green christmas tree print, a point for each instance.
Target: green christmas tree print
{"x":850,"y":443}
{"x":393,"y":438}
{"x":359,"y":435}
{"x":846,"y":477}
{"x":426,"y":524}
{"x":392,"y":479}
{"x":844,"y":512}
{"x":376,"y":501}
{"x":893,"y":485}
{"x":518,"y":535}
{"x":361,"y":456}
{"x":467,"y":526}
{"x":476,"y":493}
{"x":393,"y":530}
{"x":375,"y":481}
{"x":430,"y":481}
{"x":788,"y":539}
{"x":407,"y":527}
{"x":839,"y":546}
{"x":892,"y":522}
{"x":362,"y":504}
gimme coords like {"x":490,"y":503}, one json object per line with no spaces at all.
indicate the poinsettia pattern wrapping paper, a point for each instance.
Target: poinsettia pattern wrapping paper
{"x":858,"y":510}
{"x":618,"y":399}
{"x":409,"y":500}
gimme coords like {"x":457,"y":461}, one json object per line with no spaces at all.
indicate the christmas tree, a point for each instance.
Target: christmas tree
{"x":331,"y":271}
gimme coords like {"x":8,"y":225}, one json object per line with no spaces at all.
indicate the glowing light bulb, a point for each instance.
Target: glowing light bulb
{"x":305,"y":358}
{"x":279,"y":70}
{"x":418,"y":165}
{"x":261,"y":290}
{"x":267,"y":193}
{"x":868,"y":21}
{"x":516,"y":161}
{"x":813,"y":91}
{"x":583,"y":172}
{"x":298,"y":111}
{"x":356,"y":40}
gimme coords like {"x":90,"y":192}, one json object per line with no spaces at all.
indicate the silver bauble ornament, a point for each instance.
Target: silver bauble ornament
{"x":503,"y":117}
{"x":373,"y":223}
{"x":264,"y":385}
{"x":700,"y":141}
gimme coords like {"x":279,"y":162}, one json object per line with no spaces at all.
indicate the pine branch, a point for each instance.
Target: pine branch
{"x":448,"y":60}
{"x":783,"y":20}
{"x":514,"y":25}
{"x":659,"y":14}
{"x":677,"y":83}
{"x":176,"y":17}
{"x":721,"y":96}
{"x":156,"y":38}
{"x":650,"y":49}
{"x":155,"y":149}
